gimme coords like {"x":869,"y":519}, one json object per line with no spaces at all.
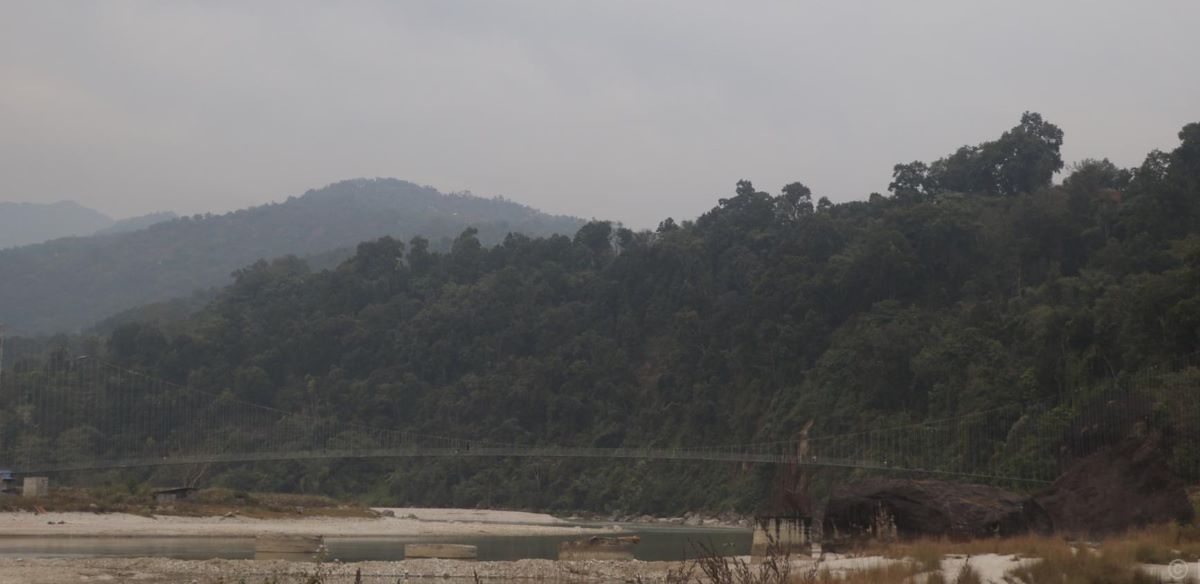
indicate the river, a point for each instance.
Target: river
{"x":658,"y":543}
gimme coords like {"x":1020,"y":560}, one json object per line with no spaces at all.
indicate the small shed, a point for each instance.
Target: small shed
{"x":35,"y":487}
{"x":169,"y":496}
{"x":7,"y":481}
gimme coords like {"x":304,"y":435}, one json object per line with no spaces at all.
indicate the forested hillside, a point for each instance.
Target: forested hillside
{"x":27,"y":223}
{"x":71,"y":283}
{"x":974,"y":284}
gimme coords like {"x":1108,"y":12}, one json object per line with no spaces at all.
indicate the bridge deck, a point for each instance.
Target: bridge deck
{"x":662,"y":454}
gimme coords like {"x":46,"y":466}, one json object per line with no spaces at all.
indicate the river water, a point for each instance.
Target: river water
{"x":658,"y":544}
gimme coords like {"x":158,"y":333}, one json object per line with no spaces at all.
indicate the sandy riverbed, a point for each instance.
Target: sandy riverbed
{"x":163,"y":571}
{"x":475,"y":516}
{"x":406,"y":522}
{"x":991,"y":568}
{"x":403,"y":522}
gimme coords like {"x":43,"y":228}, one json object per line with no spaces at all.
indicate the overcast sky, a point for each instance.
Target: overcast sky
{"x":625,"y":110}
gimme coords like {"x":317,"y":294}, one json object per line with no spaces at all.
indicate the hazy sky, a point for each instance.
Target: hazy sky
{"x":626,"y":110}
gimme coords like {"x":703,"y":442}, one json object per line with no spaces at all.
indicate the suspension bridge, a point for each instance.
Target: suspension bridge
{"x":87,"y":414}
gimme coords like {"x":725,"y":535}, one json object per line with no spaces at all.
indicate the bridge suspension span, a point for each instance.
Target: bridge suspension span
{"x":88,"y":414}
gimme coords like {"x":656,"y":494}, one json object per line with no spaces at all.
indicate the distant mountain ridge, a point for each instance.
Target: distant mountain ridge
{"x":70,"y":283}
{"x":136,"y":223}
{"x":28,"y":223}
{"x":33,"y":223}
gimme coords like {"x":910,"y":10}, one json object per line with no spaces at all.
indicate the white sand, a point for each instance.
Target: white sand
{"x":428,"y":522}
{"x":475,"y":516}
{"x":990,"y":567}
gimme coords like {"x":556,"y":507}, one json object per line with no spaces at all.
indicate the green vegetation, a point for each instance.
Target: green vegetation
{"x":72,"y":283}
{"x":139,"y":499}
{"x":764,"y":314}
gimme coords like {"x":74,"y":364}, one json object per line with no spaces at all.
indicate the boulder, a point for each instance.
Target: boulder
{"x":1121,"y":487}
{"x":916,"y":508}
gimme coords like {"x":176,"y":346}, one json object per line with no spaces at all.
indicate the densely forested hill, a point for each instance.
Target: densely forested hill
{"x":27,"y":223}
{"x":975,"y":284}
{"x":71,"y":283}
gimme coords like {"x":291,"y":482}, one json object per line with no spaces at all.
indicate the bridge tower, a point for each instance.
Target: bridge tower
{"x":786,"y":524}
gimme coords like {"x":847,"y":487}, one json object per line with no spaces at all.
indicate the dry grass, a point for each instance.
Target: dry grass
{"x":1080,"y":566}
{"x":1157,"y":545}
{"x":1152,"y":545}
{"x":928,"y":552}
{"x":108,"y":500}
{"x":710,"y":567}
{"x":1058,"y":561}
{"x":890,"y":573}
{"x":1194,"y":498}
{"x":267,"y":505}
{"x":1114,"y":560}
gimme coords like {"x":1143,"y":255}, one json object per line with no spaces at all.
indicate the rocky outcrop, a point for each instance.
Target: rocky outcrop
{"x":915,"y":508}
{"x":1118,"y":488}
{"x":1121,"y":487}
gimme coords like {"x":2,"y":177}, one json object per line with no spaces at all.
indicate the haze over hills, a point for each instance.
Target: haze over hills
{"x":136,"y":223}
{"x":70,"y":283}
{"x":30,"y":223}
{"x":27,"y":223}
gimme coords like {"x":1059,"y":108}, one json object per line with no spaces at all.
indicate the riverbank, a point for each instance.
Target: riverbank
{"x":988,"y":568}
{"x":387,"y":522}
{"x":1051,"y":565}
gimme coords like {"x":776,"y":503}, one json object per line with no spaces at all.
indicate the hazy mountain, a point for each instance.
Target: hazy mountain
{"x":138,"y":223}
{"x":26,"y":223}
{"x":70,"y":283}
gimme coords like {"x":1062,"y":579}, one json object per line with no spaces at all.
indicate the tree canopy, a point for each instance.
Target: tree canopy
{"x":1023,"y":160}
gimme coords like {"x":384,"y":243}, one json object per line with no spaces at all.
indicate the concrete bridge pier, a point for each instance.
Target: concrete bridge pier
{"x":782,"y":535}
